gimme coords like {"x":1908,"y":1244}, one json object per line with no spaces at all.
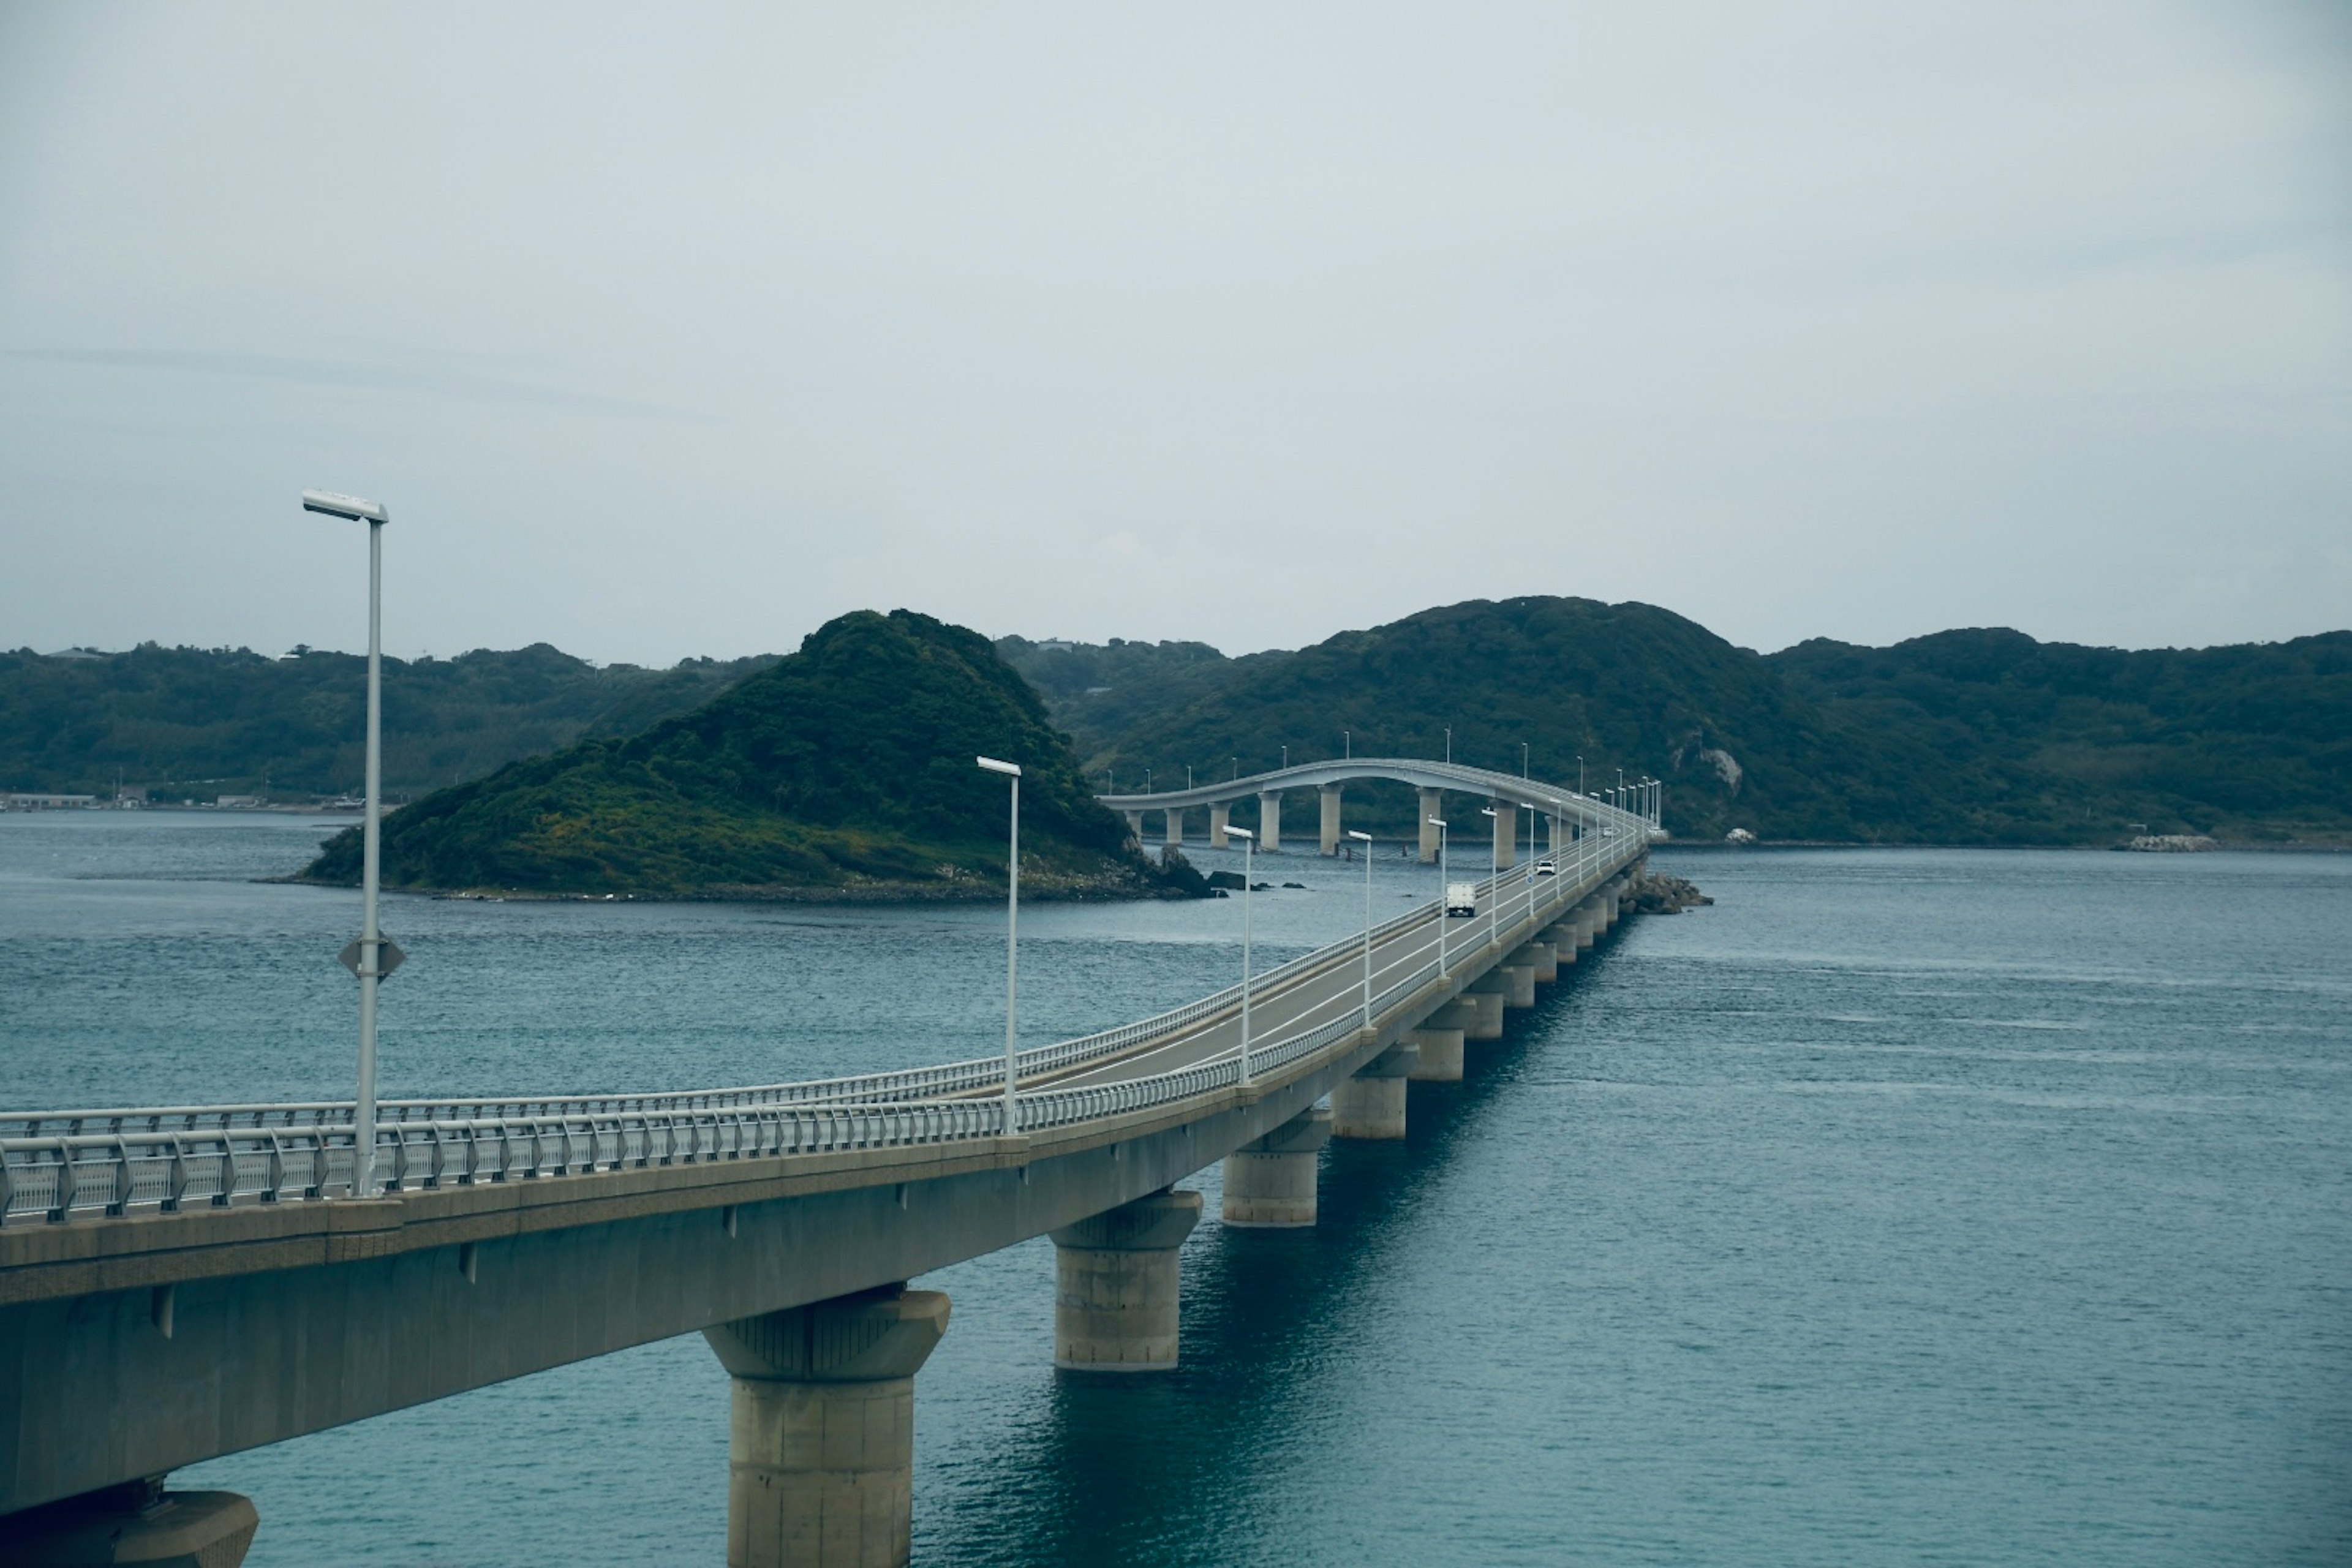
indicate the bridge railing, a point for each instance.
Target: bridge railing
{"x":60,"y":1167}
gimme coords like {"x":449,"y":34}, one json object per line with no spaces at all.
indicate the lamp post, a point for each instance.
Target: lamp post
{"x":1285,"y":758}
{"x":1366,"y":840}
{"x":1012,"y":943}
{"x":1449,"y":744}
{"x":1494,"y":889}
{"x":1249,"y":847}
{"x":371,"y":957}
{"x":1523,"y":759}
{"x":1444,"y":914}
{"x":1348,"y":751}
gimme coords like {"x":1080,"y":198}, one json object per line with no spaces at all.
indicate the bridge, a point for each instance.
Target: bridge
{"x":182,"y":1282}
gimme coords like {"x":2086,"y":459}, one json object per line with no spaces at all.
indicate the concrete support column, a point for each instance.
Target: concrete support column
{"x":1175,"y":825}
{"x":1371,"y":1103}
{"x":821,"y":1450}
{"x":1431,"y":802}
{"x":1219,"y":814}
{"x":1562,"y":938}
{"x":1135,"y":825}
{"x":1485,"y":994}
{"x":1518,"y":984}
{"x":1587,"y":923}
{"x":1114,"y":1298}
{"x":1269,"y":821}
{"x":1538,"y":956}
{"x":139,"y":1522}
{"x":1437,"y":1054}
{"x":1330,"y":842}
{"x":1507,"y":835}
{"x":1554,"y":839}
{"x":1270,"y":1181}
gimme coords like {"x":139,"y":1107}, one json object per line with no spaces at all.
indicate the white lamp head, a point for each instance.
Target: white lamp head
{"x":1233,"y":831}
{"x":334,"y":503}
{"x":1011,"y":769}
{"x":1359,"y":837}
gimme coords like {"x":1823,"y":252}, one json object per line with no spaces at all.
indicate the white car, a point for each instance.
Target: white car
{"x":1546,"y":868}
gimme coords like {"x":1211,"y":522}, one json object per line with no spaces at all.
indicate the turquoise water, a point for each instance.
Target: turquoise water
{"x":1902,"y":1207}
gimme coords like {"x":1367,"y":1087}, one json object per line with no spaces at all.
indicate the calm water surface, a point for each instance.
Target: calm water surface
{"x":1902,"y":1208}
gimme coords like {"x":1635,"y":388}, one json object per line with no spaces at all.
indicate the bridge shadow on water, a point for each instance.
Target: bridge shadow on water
{"x":1189,"y":1468}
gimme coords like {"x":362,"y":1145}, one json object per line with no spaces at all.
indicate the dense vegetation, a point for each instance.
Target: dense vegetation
{"x":845,"y":769}
{"x":1966,"y":737}
{"x":193,"y":723}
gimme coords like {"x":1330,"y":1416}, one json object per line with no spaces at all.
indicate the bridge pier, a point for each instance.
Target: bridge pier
{"x":1371,"y":1103}
{"x":1431,"y":802}
{"x":1330,"y":835}
{"x":1484,"y":995}
{"x":1506,"y":834}
{"x":139,"y":1522}
{"x":1220,"y":819}
{"x":1135,"y":827}
{"x":1538,"y":956}
{"x":1269,"y":821}
{"x":821,"y":1445}
{"x":1115,"y":1300}
{"x":1437,"y":1052}
{"x":1175,"y":815}
{"x":1270,"y":1181}
{"x":1518,"y":984}
{"x":1562,"y":941}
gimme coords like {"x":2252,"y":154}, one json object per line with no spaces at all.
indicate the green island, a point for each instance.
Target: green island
{"x":844,"y":771}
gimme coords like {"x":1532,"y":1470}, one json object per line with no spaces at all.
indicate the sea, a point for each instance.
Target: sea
{"x":1902,"y":1207}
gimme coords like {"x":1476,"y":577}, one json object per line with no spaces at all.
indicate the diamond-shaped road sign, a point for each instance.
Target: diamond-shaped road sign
{"x":387,"y":960}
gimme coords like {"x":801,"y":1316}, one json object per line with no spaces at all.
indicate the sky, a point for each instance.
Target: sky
{"x":675,"y":330}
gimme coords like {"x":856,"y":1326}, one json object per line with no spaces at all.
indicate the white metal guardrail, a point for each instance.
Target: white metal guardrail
{"x":83,"y":1164}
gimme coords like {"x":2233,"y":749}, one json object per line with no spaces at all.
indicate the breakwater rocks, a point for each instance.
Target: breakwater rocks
{"x":2169,"y":843}
{"x":1658,"y":894}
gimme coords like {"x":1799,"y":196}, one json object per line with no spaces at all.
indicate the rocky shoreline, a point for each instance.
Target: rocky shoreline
{"x":1659,"y":894}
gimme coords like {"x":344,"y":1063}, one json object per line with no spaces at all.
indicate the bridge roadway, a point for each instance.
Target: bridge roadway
{"x":184,"y":1282}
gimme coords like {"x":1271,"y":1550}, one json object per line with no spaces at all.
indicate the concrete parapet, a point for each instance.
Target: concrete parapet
{"x":1371,"y":1103}
{"x":821,"y":1447}
{"x":1431,"y":802}
{"x":1269,"y":821}
{"x":1538,"y":956}
{"x":1329,"y":839}
{"x":1270,"y":1181}
{"x":1437,"y":1055}
{"x":1219,"y":817}
{"x":1115,"y":1300}
{"x":139,"y":1523}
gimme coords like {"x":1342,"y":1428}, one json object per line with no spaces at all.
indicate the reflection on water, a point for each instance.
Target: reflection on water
{"x":1902,"y":1206}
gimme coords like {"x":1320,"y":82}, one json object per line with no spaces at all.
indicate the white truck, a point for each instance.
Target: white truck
{"x":1461,"y":898}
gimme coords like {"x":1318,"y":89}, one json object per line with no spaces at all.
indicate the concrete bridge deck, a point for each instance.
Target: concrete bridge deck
{"x":185,"y":1282}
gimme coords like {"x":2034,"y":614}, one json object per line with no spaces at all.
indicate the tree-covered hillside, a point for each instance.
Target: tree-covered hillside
{"x":1963,"y":738}
{"x":845,"y":769}
{"x":192,"y":723}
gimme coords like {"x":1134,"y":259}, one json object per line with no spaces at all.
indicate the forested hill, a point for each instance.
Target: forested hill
{"x":846,"y":770}
{"x":194,"y":723}
{"x":1965,"y":737}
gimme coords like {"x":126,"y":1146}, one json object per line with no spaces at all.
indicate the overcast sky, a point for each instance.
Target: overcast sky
{"x":670,"y":330}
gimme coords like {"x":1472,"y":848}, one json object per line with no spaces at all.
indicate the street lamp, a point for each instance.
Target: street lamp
{"x":1449,"y":744}
{"x":371,"y":957}
{"x":1523,"y":759}
{"x":1348,"y":751}
{"x":1286,"y":757}
{"x":1494,"y":891}
{"x":1011,"y":932}
{"x":1249,"y":847}
{"x":1366,"y":840}
{"x":1444,"y":893}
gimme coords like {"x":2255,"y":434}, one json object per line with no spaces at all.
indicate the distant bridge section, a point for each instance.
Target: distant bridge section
{"x":1566,"y":815}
